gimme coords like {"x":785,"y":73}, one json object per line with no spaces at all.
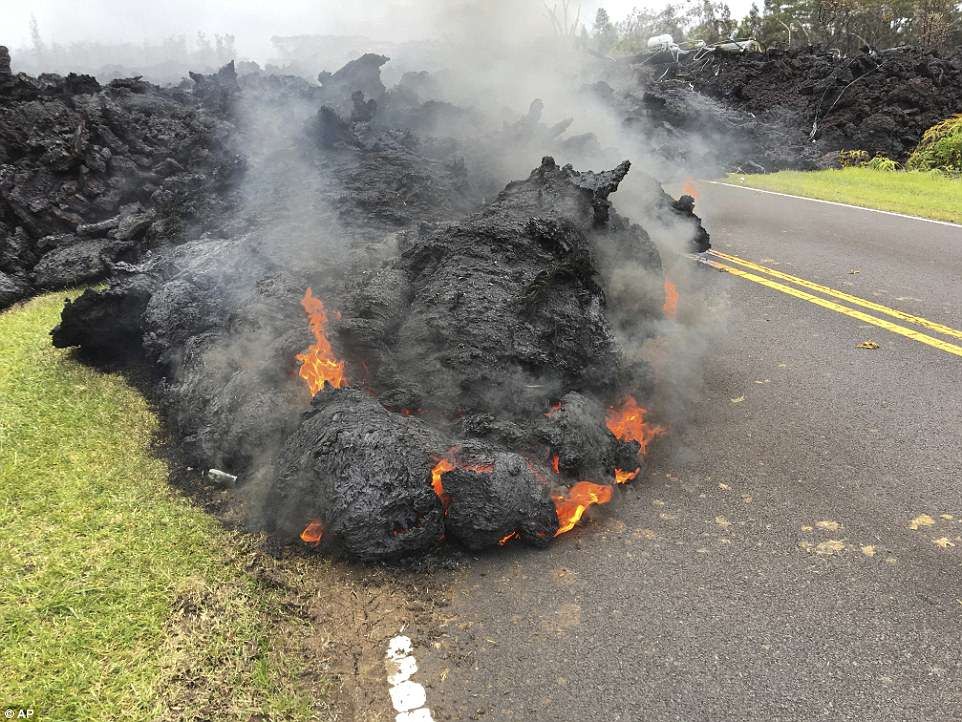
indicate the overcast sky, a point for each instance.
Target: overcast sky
{"x":252,"y":22}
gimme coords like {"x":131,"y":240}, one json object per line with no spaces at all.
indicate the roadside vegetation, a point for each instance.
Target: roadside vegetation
{"x":930,"y":184}
{"x":941,"y":147}
{"x":928,"y":194}
{"x":121,"y":600}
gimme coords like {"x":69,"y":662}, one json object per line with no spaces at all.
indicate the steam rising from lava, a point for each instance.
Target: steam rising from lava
{"x":478,"y":313}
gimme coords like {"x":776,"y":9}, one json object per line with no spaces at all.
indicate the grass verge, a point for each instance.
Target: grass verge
{"x":120,"y":600}
{"x":928,"y":195}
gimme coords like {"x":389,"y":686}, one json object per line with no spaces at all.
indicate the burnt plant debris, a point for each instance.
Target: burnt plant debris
{"x":793,"y":108}
{"x":483,"y":335}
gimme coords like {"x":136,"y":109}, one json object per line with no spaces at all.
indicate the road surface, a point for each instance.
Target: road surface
{"x":795,"y":551}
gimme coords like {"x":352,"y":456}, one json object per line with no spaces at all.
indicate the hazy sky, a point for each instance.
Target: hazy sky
{"x":253,"y":22}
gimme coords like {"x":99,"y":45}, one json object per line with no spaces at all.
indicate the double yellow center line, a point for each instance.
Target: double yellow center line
{"x":907,"y":332}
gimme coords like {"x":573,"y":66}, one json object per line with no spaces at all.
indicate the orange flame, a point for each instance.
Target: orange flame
{"x":313,"y":532}
{"x":689,"y":188}
{"x":507,"y":537}
{"x":442,"y":466}
{"x":555,"y":464}
{"x":628,"y":424}
{"x":556,"y":406}
{"x":318,"y":363}
{"x":571,"y":507}
{"x":670,"y":308}
{"x":623,"y":477}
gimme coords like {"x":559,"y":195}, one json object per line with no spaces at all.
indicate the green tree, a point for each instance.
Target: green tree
{"x":849,"y":24}
{"x":642,"y":24}
{"x":711,"y":21}
{"x":605,"y":32}
{"x":751,"y":24}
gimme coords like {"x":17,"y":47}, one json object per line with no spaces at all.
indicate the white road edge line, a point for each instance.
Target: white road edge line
{"x":836,"y":203}
{"x":408,"y":697}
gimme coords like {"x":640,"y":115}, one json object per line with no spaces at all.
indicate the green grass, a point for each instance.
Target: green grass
{"x":929,"y":195}
{"x":120,"y":600}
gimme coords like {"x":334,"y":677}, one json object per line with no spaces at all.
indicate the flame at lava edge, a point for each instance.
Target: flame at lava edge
{"x":313,"y":532}
{"x":445,"y":465}
{"x":627,"y":423}
{"x":318,"y":363}
{"x":437,"y":483}
{"x":623,"y":477}
{"x":571,"y":506}
{"x":670,"y":308}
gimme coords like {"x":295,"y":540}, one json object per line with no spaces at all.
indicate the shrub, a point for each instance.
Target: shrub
{"x":941,"y":147}
{"x":883,"y":164}
{"x":852,"y":158}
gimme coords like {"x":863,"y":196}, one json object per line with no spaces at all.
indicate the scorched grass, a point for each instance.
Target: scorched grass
{"x":119,"y":599}
{"x":925,"y":194}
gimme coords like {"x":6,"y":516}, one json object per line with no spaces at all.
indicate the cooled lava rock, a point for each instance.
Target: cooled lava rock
{"x":460,"y":323}
{"x":366,"y":473}
{"x":879,"y":102}
{"x":128,"y":165}
{"x":787,"y":109}
{"x":502,"y":311}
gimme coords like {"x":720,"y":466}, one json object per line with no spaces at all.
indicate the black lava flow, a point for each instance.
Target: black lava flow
{"x":464,"y":309}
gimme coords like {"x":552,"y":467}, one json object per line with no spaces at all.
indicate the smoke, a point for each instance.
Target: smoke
{"x":357,"y":205}
{"x":522,"y":83}
{"x":500,"y":56}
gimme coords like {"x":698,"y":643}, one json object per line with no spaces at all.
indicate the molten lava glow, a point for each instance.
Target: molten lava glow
{"x":572,"y":506}
{"x":689,"y":188}
{"x":556,"y":406}
{"x":628,"y":424}
{"x":670,"y":308}
{"x":444,"y":466}
{"x":313,"y":532}
{"x":507,"y":537}
{"x":555,"y":464}
{"x":441,"y":467}
{"x":318,"y":363}
{"x":623,"y":477}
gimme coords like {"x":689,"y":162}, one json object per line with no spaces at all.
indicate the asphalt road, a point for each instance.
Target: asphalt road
{"x":766,"y":567}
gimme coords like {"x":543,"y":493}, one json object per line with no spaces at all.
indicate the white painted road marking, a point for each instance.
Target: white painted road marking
{"x":407,"y":696}
{"x":836,"y":203}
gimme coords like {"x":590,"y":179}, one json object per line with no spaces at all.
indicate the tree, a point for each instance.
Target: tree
{"x":605,"y":33}
{"x":711,"y":21}
{"x":558,"y":14}
{"x":751,"y":24}
{"x":934,"y":21}
{"x":642,"y":24}
{"x":844,"y":25}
